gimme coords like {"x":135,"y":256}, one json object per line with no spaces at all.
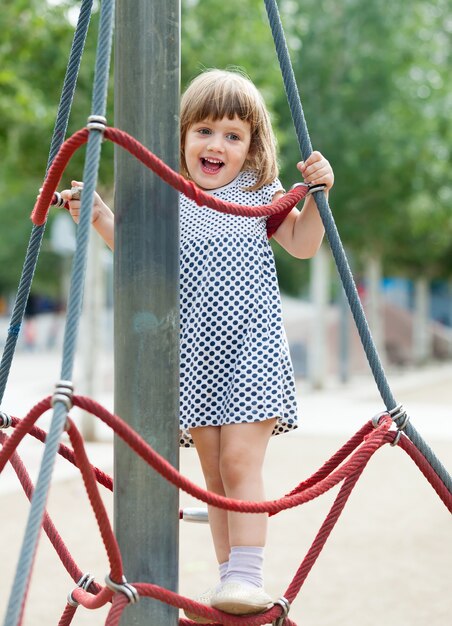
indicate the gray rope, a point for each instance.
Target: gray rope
{"x":39,"y":499}
{"x":337,"y":249}
{"x":37,"y":233}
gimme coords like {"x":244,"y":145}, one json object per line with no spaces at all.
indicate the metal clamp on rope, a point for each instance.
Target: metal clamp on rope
{"x":311,"y":188}
{"x":64,"y":390}
{"x":84,"y":583}
{"x":97,"y":122}
{"x":376,"y":418}
{"x":128,"y":590}
{"x":57,"y":201}
{"x":285,"y":605}
{"x":5,"y":420}
{"x":399,"y":413}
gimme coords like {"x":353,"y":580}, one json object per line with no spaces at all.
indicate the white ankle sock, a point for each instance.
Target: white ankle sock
{"x":223,"y":567}
{"x":246,"y":566}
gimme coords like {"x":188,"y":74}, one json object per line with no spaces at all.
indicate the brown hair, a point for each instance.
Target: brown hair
{"x":215,"y":94}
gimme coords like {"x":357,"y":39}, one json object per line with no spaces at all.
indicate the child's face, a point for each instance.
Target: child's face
{"x":215,"y":151}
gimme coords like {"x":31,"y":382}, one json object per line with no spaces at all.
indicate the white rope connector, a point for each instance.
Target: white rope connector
{"x":64,"y":390}
{"x":128,"y":590}
{"x":84,"y":583}
{"x":97,"y":122}
{"x":5,"y":420}
{"x":285,"y":605}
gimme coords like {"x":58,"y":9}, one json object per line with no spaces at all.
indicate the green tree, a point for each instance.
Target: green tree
{"x":34,"y":50}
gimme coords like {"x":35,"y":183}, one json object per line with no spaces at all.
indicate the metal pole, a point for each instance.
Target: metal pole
{"x":147,"y":78}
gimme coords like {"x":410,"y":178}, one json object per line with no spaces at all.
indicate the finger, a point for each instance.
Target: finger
{"x":314,"y":170}
{"x":75,"y":193}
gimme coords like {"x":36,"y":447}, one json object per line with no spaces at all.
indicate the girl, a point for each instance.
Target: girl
{"x":237,"y":383}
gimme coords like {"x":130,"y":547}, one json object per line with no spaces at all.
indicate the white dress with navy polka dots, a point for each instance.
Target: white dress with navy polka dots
{"x":235,"y":363}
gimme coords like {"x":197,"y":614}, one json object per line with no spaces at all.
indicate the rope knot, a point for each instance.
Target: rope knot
{"x":128,"y":590}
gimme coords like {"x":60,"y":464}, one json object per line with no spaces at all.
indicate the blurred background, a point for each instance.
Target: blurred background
{"x":374,"y":84}
{"x":374,"y":79}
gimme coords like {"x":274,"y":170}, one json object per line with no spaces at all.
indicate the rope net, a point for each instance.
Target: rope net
{"x":344,"y":468}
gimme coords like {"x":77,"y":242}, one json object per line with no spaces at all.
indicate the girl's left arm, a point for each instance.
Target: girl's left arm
{"x":302,"y":232}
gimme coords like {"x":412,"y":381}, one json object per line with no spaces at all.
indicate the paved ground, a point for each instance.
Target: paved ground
{"x":387,"y":562}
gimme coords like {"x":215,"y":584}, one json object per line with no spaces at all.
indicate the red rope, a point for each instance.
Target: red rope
{"x":103,"y":522}
{"x":363,"y":445}
{"x":39,"y":434}
{"x":188,"y":188}
{"x":161,"y":465}
{"x":49,"y":527}
{"x":435,"y":481}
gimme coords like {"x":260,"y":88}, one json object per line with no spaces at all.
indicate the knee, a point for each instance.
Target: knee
{"x":212,"y":476}
{"x":235,"y":467}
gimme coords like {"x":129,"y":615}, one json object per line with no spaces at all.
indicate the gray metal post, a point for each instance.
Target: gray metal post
{"x":147,"y":79}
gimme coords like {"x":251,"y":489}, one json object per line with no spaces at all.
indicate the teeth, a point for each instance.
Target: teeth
{"x":215,"y":161}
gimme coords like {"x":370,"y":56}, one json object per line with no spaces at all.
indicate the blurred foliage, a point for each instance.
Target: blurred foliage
{"x":374,"y":83}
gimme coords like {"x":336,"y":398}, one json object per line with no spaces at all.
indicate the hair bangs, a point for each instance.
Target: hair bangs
{"x":216,"y":94}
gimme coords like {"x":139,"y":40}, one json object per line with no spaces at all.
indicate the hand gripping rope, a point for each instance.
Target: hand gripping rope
{"x":344,"y":467}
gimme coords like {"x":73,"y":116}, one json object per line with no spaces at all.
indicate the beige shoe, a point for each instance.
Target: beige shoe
{"x":238,"y":599}
{"x":204,"y":598}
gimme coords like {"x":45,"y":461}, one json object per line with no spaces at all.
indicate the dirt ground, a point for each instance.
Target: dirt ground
{"x":387,"y":562}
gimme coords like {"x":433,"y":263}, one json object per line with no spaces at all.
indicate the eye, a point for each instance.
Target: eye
{"x":233,"y":137}
{"x":204,"y":131}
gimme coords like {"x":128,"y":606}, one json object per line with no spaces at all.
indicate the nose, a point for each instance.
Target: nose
{"x":215,"y":145}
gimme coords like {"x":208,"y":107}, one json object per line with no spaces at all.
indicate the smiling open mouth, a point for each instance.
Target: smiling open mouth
{"x":211,"y":166}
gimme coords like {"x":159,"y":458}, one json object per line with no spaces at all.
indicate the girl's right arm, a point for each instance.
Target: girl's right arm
{"x":103,"y":218}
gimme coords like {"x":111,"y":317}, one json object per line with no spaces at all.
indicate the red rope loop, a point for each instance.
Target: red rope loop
{"x":148,"y":158}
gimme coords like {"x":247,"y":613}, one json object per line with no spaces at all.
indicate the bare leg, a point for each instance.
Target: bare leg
{"x":207,"y":442}
{"x":242,"y":452}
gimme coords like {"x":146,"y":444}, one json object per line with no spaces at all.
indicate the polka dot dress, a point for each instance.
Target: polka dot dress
{"x":235,"y":363}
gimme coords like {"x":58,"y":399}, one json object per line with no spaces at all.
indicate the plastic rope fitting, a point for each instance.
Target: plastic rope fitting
{"x":5,"y":420}
{"x":64,"y":390}
{"x":285,"y":606}
{"x":128,"y":590}
{"x":84,"y":583}
{"x":97,"y":122}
